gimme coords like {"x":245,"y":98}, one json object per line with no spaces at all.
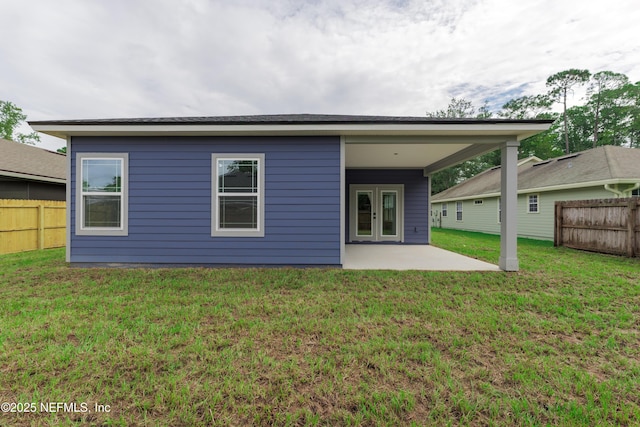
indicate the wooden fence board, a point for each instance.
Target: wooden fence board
{"x":604,"y":225}
{"x":27,"y":225}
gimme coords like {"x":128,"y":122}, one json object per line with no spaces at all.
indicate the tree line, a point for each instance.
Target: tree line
{"x":609,"y":114}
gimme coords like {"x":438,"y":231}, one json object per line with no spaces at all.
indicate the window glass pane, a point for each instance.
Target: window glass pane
{"x":238,"y":212}
{"x":102,"y":211}
{"x":365,"y":225}
{"x":389,"y":214}
{"x":102,"y":175}
{"x":237,"y":176}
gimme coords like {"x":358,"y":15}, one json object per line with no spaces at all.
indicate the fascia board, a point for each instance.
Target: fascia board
{"x":507,"y":129}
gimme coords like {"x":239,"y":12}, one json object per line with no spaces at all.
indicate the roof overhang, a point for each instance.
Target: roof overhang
{"x":370,"y":142}
{"x":522,"y":130}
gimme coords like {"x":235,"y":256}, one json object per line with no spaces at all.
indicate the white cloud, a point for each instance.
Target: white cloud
{"x":117,"y":58}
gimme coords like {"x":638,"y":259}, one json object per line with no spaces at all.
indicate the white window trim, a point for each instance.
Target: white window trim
{"x":237,"y":232}
{"x":537,"y":204}
{"x":123,"y":230}
{"x":461,"y":204}
{"x":445,"y":209}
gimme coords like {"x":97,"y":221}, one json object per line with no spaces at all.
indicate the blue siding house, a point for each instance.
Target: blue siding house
{"x":261,"y":190}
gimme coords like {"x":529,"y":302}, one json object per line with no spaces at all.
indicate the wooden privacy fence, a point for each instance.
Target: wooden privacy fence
{"x":26,"y":225}
{"x":609,"y":226}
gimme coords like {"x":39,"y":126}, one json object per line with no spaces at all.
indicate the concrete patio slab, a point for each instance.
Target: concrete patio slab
{"x":410,"y":257}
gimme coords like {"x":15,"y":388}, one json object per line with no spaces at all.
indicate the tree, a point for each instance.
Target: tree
{"x":560,"y":85}
{"x":527,"y":107}
{"x":542,"y":145}
{"x":11,"y":118}
{"x":602,"y":83}
{"x":632,"y":95}
{"x":458,"y":108}
{"x":580,"y":128}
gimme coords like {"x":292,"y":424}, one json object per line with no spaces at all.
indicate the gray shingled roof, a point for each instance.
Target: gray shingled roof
{"x":279,"y":119}
{"x":606,"y":163}
{"x":35,"y":163}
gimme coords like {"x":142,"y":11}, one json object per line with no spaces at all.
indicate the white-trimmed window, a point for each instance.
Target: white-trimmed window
{"x":102,"y":194}
{"x":458,"y":211}
{"x":238,"y":195}
{"x":444,"y":209}
{"x":635,"y":193}
{"x":533,"y":205}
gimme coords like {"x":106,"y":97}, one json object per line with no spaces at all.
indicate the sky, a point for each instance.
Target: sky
{"x":74,"y":59}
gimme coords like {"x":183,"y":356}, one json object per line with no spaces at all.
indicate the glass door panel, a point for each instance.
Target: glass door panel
{"x":364,"y":219}
{"x":375,"y":213}
{"x":389,"y":201}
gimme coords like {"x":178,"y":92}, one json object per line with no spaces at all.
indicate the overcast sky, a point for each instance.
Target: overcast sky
{"x":70,"y":59}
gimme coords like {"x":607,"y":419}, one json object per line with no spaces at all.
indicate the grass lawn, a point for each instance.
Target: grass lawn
{"x":556,"y":343}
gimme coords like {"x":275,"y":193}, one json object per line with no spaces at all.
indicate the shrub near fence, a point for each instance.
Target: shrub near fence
{"x":607,"y":225}
{"x":27,"y":225}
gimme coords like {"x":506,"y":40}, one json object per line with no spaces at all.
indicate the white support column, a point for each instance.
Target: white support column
{"x":430,"y":207}
{"x":343,"y":205}
{"x":509,"y":199}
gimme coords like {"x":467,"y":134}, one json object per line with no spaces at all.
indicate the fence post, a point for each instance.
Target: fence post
{"x":631,"y":227}
{"x":557,"y":231}
{"x":40,"y":226}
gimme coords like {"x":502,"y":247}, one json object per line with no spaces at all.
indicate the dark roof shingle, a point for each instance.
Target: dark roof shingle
{"x":598,"y":164}
{"x":36,"y":162}
{"x":278,"y":119}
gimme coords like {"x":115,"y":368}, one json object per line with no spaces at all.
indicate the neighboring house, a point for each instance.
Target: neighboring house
{"x":264,"y":190}
{"x":475,"y":204}
{"x":28,"y":172}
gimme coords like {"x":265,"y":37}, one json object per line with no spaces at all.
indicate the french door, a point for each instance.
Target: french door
{"x":376,"y":213}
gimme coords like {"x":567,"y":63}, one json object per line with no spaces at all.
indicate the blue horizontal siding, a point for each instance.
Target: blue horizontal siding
{"x":170,"y":202}
{"x":416,"y":198}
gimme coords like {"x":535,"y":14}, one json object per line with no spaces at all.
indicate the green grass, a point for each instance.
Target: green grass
{"x":554,"y":344}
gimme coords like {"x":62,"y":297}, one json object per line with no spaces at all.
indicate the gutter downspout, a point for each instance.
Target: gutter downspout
{"x":619,"y":193}
{"x":614,"y":191}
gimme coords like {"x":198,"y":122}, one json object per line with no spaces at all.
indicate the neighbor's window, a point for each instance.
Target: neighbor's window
{"x":533,"y":203}
{"x":458,"y":211}
{"x":101,"y":189}
{"x":444,"y":209}
{"x":635,"y":193}
{"x":238,"y":195}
